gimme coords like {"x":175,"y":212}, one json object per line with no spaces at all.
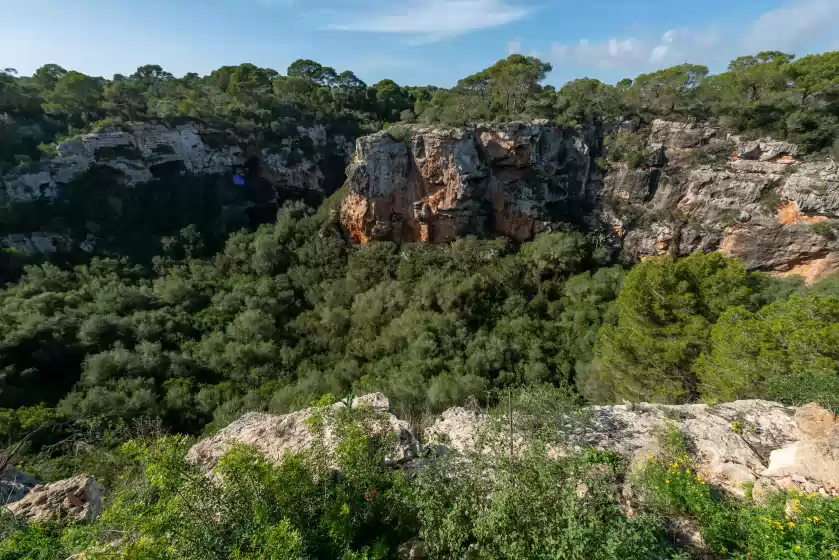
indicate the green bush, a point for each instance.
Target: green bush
{"x":510,"y":498}
{"x":664,"y":314}
{"x":751,"y":353}
{"x":783,"y":525}
{"x":628,"y":147}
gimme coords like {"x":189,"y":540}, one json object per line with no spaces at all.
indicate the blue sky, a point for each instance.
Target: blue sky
{"x":414,"y":42}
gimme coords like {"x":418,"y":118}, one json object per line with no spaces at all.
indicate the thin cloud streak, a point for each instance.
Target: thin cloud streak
{"x":435,"y":20}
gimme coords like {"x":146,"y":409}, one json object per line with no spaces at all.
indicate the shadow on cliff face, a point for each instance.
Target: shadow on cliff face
{"x":266,"y":198}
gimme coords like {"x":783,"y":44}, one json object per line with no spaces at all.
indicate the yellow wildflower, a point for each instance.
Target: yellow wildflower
{"x":791,"y":524}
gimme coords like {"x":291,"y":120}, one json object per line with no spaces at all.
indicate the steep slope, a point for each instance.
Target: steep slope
{"x":678,"y":188}
{"x":436,"y":184}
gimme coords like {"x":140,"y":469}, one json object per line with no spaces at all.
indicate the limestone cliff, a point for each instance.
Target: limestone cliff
{"x":694,"y":187}
{"x":435,"y":184}
{"x":300,"y":162}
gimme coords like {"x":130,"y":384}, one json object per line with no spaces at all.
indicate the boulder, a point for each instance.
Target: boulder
{"x":275,"y":436}
{"x":456,"y":429}
{"x":680,"y":135}
{"x":816,"y":423}
{"x":79,"y":500}
{"x":412,"y":550}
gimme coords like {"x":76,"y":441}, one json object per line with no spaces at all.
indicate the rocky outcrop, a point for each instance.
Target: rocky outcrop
{"x":738,"y":444}
{"x":696,"y":188}
{"x":79,"y":500}
{"x":307,"y":163}
{"x":36,"y":243}
{"x":758,"y":200}
{"x":142,"y":152}
{"x":436,"y":184}
{"x":276,"y":436}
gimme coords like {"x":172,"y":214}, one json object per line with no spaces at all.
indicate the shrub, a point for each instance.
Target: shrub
{"x":510,"y":499}
{"x":253,"y":509}
{"x":826,"y":229}
{"x":628,"y":147}
{"x":784,"y":525}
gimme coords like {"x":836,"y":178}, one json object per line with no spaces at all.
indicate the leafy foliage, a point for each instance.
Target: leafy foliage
{"x":782,"y":525}
{"x":663,"y":317}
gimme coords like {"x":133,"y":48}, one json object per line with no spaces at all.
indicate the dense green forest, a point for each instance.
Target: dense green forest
{"x":291,"y":310}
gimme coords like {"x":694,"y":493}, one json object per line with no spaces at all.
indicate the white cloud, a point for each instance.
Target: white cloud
{"x":632,"y":53}
{"x":789,"y":28}
{"x":793,"y":25}
{"x":514,"y":47}
{"x":432,"y":20}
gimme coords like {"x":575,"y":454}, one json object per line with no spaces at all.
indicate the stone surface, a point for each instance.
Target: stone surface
{"x":36,"y":243}
{"x":755,"y":199}
{"x":79,"y":499}
{"x":740,"y":444}
{"x":435,"y":184}
{"x":697,"y":189}
{"x":276,"y":436}
{"x":138,"y":153}
{"x":307,"y":164}
{"x":772,"y":448}
{"x":456,"y":428}
{"x":816,"y":423}
{"x":14,"y":485}
{"x":412,"y":550}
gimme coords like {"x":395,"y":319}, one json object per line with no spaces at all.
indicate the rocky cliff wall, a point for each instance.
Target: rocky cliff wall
{"x":142,"y":152}
{"x":690,"y":187}
{"x":307,"y":162}
{"x":435,"y":184}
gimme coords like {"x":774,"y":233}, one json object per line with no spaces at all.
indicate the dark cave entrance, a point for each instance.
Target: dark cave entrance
{"x":267,"y":197}
{"x":259,"y":191}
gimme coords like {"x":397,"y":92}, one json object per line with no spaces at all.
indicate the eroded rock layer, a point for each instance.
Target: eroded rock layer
{"x":693,"y":188}
{"x":437,"y":184}
{"x":139,"y":153}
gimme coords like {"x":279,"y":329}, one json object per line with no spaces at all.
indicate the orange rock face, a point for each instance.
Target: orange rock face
{"x":437,"y":184}
{"x":758,"y":200}
{"x":814,"y":269}
{"x":789,"y":214}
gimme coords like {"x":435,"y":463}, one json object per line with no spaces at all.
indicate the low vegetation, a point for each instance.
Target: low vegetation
{"x":342,"y":502}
